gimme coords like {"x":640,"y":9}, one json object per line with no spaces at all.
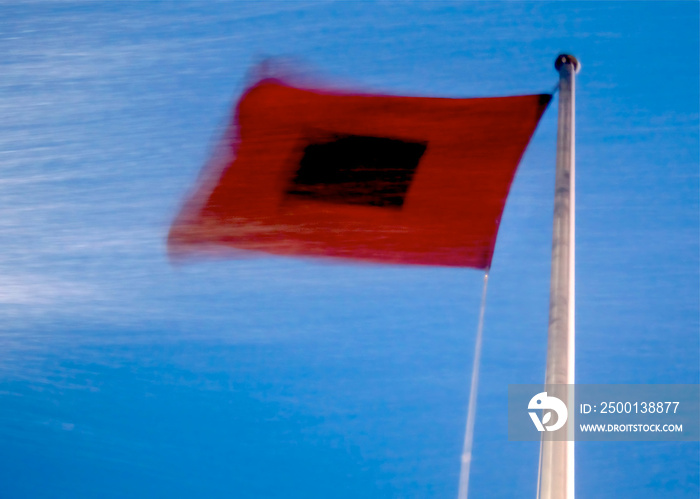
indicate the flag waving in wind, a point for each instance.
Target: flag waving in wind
{"x":408,"y":180}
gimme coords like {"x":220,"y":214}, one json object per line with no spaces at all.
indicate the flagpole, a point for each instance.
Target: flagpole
{"x":556,"y":479}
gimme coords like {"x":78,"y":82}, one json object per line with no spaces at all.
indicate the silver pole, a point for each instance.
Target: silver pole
{"x":556,"y":480}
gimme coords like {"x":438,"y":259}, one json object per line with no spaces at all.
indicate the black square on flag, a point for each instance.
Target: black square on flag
{"x":355,"y":169}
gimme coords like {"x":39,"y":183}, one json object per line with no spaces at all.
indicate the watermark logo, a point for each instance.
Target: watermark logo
{"x":548,"y":405}
{"x":604,"y":413}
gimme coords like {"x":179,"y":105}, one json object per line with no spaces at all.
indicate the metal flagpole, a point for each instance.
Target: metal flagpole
{"x":556,"y":480}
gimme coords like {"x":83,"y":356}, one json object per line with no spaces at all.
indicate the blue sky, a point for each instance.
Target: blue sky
{"x":124,"y":375}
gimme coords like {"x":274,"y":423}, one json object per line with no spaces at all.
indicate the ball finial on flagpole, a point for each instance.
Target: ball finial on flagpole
{"x":567,"y":59}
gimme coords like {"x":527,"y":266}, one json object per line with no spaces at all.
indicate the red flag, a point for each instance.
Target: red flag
{"x":409,"y":180}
